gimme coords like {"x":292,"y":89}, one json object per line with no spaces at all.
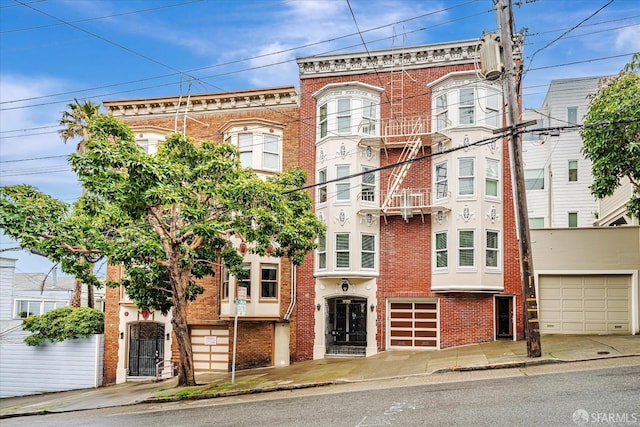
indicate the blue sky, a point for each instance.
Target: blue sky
{"x":54,"y":50}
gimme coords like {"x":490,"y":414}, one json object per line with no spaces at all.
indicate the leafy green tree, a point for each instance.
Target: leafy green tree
{"x":168,"y":218}
{"x":65,"y":323}
{"x":75,"y":124}
{"x":612,"y":135}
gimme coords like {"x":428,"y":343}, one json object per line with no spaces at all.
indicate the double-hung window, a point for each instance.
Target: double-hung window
{"x":368,"y":193}
{"x":344,"y":115}
{"x":368,"y":251}
{"x":271,"y":152}
{"x":492,"y":249}
{"x":442,"y":115}
{"x":323,"y":123}
{"x":534,"y":179}
{"x":466,"y":176}
{"x":492,"y":114}
{"x":466,"y":248}
{"x":442,"y":254}
{"x":225,"y":283}
{"x":245,"y":146}
{"x":572,"y":115}
{"x":322,"y":186}
{"x":321,"y":251}
{"x":269,"y":281}
{"x":492,"y":178}
{"x":246,"y":280}
{"x":343,"y":192}
{"x":442,"y":181}
{"x":467,"y":106}
{"x":342,"y":250}
{"x":573,"y":170}
{"x":369,"y":115}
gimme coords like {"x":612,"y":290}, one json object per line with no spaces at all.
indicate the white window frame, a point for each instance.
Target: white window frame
{"x":246,"y":149}
{"x":342,"y":250}
{"x":368,"y":185}
{"x":490,"y":178}
{"x":369,"y":117}
{"x":441,"y":251}
{"x":492,"y":112}
{"x":39,"y":303}
{"x":321,"y":252}
{"x":343,"y":114}
{"x":441,"y":182}
{"x":442,"y":112}
{"x":534,"y":179}
{"x":570,"y":171}
{"x":343,"y":186}
{"x":495,"y":250}
{"x":366,"y":251}
{"x":322,"y":189}
{"x":465,"y":106}
{"x":572,"y":111}
{"x":465,"y":178}
{"x":471,"y":248}
{"x":323,"y":121}
{"x":226,"y":279}
{"x":271,"y":150}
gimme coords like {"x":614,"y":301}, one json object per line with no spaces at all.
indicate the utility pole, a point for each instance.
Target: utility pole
{"x":531,"y":325}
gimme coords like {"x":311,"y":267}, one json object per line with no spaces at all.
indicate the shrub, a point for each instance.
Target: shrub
{"x":63,"y":323}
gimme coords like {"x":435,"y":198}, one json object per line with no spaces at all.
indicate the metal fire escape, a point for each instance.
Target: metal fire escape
{"x":410,"y":133}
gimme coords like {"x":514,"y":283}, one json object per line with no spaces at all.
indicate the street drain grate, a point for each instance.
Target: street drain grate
{"x":603,"y":352}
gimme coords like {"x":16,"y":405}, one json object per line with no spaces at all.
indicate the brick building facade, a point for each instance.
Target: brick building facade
{"x":264,"y":124}
{"x":421,"y":249}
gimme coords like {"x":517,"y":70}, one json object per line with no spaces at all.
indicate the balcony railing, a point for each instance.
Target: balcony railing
{"x":406,"y":202}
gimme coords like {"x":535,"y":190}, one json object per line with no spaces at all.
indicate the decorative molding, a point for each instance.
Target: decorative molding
{"x":342,"y":218}
{"x":466,"y":214}
{"x":258,"y":99}
{"x":492,"y":215}
{"x":412,"y":57}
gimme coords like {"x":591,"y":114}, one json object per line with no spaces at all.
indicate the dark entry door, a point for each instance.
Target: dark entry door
{"x":146,"y":348}
{"x":504,"y":317}
{"x":349,"y":321}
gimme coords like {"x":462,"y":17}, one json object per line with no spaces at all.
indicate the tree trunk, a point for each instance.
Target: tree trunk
{"x":186,"y":371}
{"x":90,"y":297}
{"x":77,"y":294}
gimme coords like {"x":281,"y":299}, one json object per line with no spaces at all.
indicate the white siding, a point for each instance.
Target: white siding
{"x":67,"y":365}
{"x":553,"y":153}
{"x":7,"y":270}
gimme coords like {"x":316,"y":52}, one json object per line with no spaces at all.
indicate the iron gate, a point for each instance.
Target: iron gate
{"x":146,"y":348}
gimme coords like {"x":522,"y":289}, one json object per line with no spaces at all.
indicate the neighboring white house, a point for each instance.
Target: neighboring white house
{"x":557,"y":175}
{"x":49,"y":367}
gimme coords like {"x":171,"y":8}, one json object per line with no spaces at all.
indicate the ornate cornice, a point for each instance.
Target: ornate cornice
{"x":422,"y":56}
{"x":286,"y":96}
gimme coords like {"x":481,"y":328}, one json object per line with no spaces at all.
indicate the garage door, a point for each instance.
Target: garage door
{"x":413,"y":324}
{"x":595,"y":304}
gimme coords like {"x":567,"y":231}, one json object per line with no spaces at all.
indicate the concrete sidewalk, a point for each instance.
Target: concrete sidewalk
{"x":389,"y":364}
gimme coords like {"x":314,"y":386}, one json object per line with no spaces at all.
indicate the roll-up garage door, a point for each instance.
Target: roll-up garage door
{"x":413,"y":324}
{"x":585,"y":304}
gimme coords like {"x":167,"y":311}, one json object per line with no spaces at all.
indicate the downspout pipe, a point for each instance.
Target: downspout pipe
{"x":292,"y":304}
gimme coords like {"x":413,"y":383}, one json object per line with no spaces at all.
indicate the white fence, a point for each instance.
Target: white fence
{"x":51,"y":367}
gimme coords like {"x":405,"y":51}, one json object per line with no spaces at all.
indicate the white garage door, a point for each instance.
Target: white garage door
{"x":596,"y":304}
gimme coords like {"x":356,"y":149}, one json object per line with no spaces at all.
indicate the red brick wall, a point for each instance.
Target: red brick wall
{"x":259,"y":349}
{"x":255,"y":345}
{"x":111,"y":328}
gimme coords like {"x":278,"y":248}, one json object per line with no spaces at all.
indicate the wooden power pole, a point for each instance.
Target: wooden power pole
{"x":512,"y":72}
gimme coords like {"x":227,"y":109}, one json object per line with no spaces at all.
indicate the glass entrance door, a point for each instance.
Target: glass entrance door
{"x":347,"y":324}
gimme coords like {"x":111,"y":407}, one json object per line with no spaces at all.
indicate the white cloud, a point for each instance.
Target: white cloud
{"x":628,"y":39}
